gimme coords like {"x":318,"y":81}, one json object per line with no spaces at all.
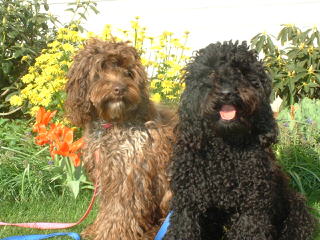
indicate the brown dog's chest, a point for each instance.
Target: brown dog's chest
{"x":124,"y":146}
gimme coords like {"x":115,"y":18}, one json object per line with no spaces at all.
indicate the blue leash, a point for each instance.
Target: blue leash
{"x":75,"y":236}
{"x":163,"y":228}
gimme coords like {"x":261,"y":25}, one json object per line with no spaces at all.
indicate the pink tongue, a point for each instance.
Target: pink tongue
{"x":227,"y":112}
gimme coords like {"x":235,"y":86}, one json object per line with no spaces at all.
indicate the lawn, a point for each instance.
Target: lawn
{"x":61,"y":209}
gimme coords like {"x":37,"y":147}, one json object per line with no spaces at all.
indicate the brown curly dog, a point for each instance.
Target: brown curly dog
{"x":128,"y":140}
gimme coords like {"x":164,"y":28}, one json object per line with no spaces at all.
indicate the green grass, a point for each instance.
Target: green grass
{"x":23,"y":165}
{"x":61,"y":209}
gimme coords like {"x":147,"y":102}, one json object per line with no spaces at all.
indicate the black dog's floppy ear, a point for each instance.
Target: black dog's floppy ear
{"x":266,"y":126}
{"x":189,"y":130}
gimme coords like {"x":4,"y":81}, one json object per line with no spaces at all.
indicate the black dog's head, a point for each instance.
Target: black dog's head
{"x":227,"y":90}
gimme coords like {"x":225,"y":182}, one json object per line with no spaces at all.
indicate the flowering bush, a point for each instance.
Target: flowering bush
{"x":293,"y":60}
{"x":46,"y":79}
{"x":63,"y":149}
{"x":163,"y":57}
{"x":25,"y":30}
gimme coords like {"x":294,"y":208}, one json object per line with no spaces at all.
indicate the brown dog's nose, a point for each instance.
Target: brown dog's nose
{"x":119,"y":89}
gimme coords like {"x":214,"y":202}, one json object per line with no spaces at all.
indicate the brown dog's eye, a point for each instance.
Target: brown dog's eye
{"x":130,"y":74}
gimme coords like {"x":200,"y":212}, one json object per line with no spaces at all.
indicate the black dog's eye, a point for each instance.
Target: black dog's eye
{"x":256,"y":84}
{"x":207,"y":82}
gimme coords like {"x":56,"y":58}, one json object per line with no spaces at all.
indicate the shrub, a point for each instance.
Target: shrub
{"x":293,"y":60}
{"x":24,"y":32}
{"x":46,"y":79}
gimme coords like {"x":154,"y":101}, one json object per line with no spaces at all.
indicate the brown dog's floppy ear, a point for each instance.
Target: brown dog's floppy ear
{"x":78,"y":107}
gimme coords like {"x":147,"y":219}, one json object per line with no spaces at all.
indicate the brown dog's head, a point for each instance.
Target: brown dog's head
{"x":107,"y":81}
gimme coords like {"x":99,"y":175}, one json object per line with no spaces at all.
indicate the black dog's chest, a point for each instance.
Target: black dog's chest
{"x":229,"y":169}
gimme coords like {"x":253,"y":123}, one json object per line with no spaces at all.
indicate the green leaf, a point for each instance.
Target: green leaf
{"x":255,"y":39}
{"x":299,"y":76}
{"x":18,"y":53}
{"x":46,"y":6}
{"x":313,"y":85}
{"x":260,"y":43}
{"x":75,"y":187}
{"x":270,"y":45}
{"x":94,"y":9}
{"x":6,"y":67}
{"x":83,"y":16}
{"x":70,"y":10}
{"x":318,"y":76}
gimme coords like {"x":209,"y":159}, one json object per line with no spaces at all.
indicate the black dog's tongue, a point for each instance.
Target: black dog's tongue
{"x":228,"y":112}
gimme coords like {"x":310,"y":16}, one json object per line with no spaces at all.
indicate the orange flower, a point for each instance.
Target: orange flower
{"x":64,"y":145}
{"x":42,"y":137}
{"x":75,"y":158}
{"x":43,"y":117}
{"x":58,"y":136}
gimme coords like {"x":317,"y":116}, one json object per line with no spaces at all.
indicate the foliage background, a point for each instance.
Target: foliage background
{"x":23,"y":33}
{"x":27,"y":28}
{"x":293,"y":60}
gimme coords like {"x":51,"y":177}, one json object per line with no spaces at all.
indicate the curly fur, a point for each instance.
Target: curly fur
{"x":128,"y":159}
{"x":226,"y":183}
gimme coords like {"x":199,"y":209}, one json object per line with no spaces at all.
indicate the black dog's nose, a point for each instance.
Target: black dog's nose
{"x":226,"y":91}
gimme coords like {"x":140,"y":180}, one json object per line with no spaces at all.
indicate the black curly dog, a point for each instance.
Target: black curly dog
{"x":225,"y":180}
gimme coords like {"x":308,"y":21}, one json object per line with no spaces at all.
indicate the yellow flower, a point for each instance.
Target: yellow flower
{"x":301,"y":46}
{"x":68,"y":47}
{"x":171,"y":97}
{"x":167,"y":33}
{"x":28,"y":77}
{"x":160,"y":76}
{"x":310,"y":70}
{"x":291,"y":74}
{"x":156,"y":98}
{"x":166,"y":91}
{"x":154,"y":83}
{"x":289,"y":25}
{"x":34,"y":110}
{"x":134,"y":25}
{"x":25,"y":58}
{"x":310,"y":49}
{"x":16,"y":100}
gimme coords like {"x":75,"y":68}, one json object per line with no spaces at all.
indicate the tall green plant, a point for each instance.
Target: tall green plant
{"x":23,"y":33}
{"x":293,"y":60}
{"x":27,"y":28}
{"x":79,"y":10}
